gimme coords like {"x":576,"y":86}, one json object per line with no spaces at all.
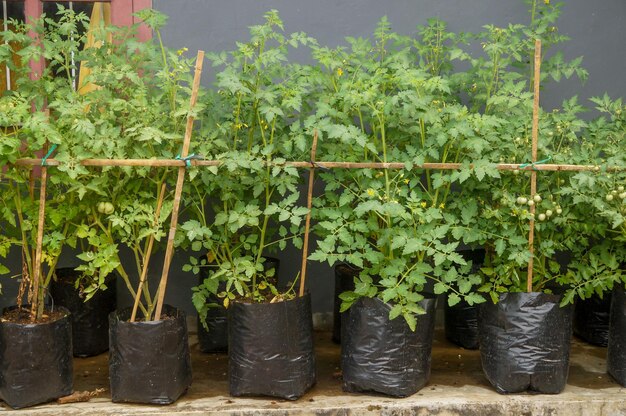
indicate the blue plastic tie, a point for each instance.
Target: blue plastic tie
{"x":188,"y":159}
{"x":52,"y":149}
{"x":534,"y":164}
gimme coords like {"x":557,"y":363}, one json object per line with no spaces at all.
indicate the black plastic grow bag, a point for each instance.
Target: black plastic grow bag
{"x":90,"y":324}
{"x":461,"y":320}
{"x":525,"y":342}
{"x":149,"y":361}
{"x":344,"y":281}
{"x":382,"y":355}
{"x":616,"y":354}
{"x":271,"y":348}
{"x":461,"y":324}
{"x":591,"y":319}
{"x":216,"y":338}
{"x":35,"y":361}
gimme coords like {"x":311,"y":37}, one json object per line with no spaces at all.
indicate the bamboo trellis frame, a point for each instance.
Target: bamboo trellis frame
{"x":312,"y":165}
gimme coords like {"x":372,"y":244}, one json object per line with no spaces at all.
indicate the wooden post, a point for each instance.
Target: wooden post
{"x":307,"y":224}
{"x":533,"y":174}
{"x":144,"y":269}
{"x":169,"y":250}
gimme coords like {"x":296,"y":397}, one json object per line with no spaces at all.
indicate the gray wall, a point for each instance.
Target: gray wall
{"x":597,"y":29}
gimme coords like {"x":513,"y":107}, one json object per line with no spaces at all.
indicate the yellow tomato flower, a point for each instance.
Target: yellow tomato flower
{"x":371,"y":192}
{"x":442,"y":205}
{"x":423,"y":204}
{"x":339,"y":72}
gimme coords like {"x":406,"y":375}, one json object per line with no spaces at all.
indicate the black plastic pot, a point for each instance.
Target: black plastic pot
{"x":271,"y":348}
{"x":90,"y":324}
{"x":525,"y":342}
{"x":344,"y":281}
{"x":216,"y":338}
{"x":149,"y":361}
{"x":461,"y":325}
{"x":461,"y":320}
{"x":382,"y":355}
{"x":616,"y":354}
{"x":591,"y":319}
{"x":35,"y":361}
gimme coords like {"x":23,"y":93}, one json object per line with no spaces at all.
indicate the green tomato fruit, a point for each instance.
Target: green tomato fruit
{"x":101,"y":207}
{"x":108,"y":208}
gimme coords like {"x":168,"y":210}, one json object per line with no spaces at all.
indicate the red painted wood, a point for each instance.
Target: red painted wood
{"x":122,"y":12}
{"x":32,"y":10}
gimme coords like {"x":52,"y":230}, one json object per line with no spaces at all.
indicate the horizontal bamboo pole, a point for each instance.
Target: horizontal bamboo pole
{"x":322,"y":165}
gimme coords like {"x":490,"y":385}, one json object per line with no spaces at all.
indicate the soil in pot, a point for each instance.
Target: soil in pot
{"x":149,"y":361}
{"x":215,"y":339}
{"x":35,"y":358}
{"x":616,"y":354}
{"x":591,"y":319}
{"x":525,"y":342}
{"x":271,"y":348}
{"x":383,"y":355}
{"x":90,"y":324}
{"x":344,"y":281}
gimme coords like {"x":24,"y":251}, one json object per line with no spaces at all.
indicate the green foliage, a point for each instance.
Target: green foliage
{"x":254,"y":123}
{"x":392,"y":99}
{"x":137,"y":109}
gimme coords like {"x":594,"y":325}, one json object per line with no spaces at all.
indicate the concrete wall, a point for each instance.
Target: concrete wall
{"x":597,"y":29}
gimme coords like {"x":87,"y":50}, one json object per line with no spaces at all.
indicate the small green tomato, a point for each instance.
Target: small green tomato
{"x":609,"y":197}
{"x":521,"y":200}
{"x":531,"y":203}
{"x":101,"y":207}
{"x":542,"y":217}
{"x":559,"y":211}
{"x":620,"y":188}
{"x":548,"y":213}
{"x":537,"y":198}
{"x":622,"y":195}
{"x":108,"y":208}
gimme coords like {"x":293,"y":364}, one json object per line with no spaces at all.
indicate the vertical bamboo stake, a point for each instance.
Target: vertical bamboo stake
{"x":533,"y":174}
{"x":307,"y":224}
{"x":144,"y":271}
{"x":34,"y":306}
{"x":169,"y":250}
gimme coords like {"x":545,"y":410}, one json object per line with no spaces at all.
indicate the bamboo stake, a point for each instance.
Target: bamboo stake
{"x":169,"y":251}
{"x":144,"y":271}
{"x":307,"y":224}
{"x":533,"y":175}
{"x":34,"y":306}
{"x":322,"y":165}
